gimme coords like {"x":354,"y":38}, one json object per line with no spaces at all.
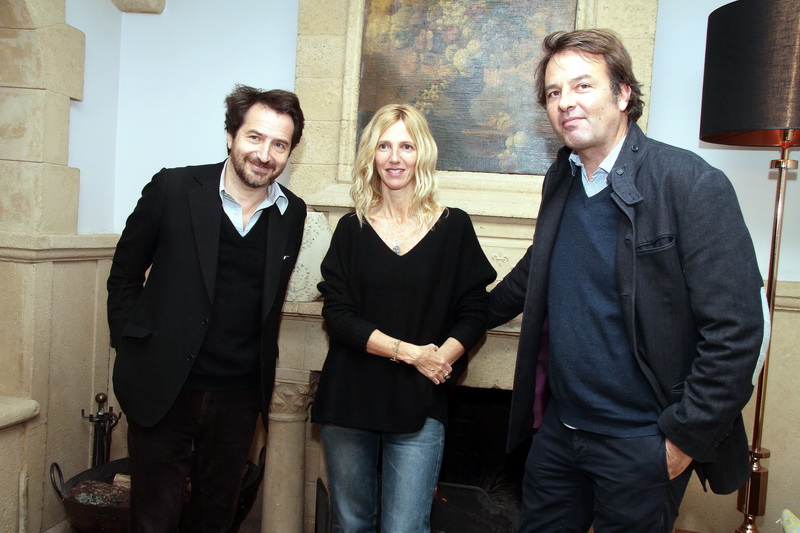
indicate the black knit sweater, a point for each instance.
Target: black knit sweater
{"x":435,"y":291}
{"x":229,"y":358}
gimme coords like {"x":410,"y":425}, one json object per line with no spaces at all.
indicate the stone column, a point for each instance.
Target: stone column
{"x":284,"y":479}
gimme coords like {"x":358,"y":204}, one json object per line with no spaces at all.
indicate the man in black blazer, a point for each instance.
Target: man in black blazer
{"x":642,"y":311}
{"x":194,"y":300}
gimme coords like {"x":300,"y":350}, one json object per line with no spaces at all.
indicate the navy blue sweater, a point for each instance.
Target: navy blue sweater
{"x":595,"y":381}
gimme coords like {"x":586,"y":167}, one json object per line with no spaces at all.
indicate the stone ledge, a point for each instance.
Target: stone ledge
{"x":787,"y":296}
{"x":293,"y":375}
{"x":26,"y":248}
{"x":153,"y":7}
{"x":15,"y":411}
{"x":31,"y":15}
{"x":502,"y":204}
{"x":313,"y":311}
{"x":303,"y":309}
{"x":787,"y":299}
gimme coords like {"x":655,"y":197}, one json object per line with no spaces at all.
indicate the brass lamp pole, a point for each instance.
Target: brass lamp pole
{"x":751,"y":97}
{"x":752,"y":500}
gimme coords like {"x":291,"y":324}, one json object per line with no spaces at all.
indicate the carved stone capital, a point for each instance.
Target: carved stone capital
{"x":291,"y":399}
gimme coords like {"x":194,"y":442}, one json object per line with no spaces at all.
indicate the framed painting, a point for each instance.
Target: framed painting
{"x":469,"y":66}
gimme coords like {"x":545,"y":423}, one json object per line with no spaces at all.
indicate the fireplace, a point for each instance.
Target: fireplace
{"x":295,"y":459}
{"x":479,"y":484}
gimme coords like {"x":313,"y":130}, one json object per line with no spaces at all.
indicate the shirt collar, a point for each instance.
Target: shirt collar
{"x":599,"y":179}
{"x":605,"y":165}
{"x":275,"y":194}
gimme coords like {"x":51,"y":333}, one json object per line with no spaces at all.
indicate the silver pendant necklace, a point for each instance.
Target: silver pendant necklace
{"x":396,"y":229}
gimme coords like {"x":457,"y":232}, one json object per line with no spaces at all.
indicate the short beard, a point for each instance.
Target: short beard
{"x":249,"y":178}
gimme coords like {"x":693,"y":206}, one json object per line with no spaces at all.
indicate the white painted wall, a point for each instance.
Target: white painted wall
{"x":155,"y":86}
{"x":93,"y":121}
{"x":675,"y":118}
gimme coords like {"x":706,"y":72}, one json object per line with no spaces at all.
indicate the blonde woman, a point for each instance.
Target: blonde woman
{"x":405,"y":297}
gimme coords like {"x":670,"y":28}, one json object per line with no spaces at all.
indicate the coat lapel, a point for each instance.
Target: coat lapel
{"x":206,"y":208}
{"x":277,"y":234}
{"x":552,"y":209}
{"x":626,"y":168}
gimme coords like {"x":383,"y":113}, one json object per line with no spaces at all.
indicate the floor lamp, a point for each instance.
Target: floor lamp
{"x":751,"y":97}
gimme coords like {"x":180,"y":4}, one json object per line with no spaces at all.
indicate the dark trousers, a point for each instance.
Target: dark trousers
{"x":218,"y":427}
{"x":574,"y":479}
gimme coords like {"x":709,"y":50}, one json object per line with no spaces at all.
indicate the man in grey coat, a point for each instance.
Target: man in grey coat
{"x":643,"y":312}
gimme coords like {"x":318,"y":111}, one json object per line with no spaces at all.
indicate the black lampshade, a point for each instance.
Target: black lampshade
{"x":751,"y":87}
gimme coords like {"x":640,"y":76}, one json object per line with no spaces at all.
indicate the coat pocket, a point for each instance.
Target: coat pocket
{"x":662,"y":242}
{"x":136,"y":331}
{"x":676,"y":392}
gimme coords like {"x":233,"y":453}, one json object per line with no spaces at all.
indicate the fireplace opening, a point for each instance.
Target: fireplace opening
{"x":480,"y":484}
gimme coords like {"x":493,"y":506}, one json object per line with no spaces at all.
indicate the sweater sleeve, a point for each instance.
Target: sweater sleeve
{"x":507,"y":299}
{"x":340,"y":309}
{"x":474,"y":274}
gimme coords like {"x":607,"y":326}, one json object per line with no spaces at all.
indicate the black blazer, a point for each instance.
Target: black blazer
{"x":158,"y":327}
{"x":691,"y":295}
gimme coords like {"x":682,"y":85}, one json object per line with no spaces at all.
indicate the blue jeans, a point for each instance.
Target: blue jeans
{"x":410,"y":470}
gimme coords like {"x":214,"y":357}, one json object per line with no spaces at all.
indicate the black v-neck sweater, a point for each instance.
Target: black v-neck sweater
{"x":229,"y":358}
{"x":434,"y":291}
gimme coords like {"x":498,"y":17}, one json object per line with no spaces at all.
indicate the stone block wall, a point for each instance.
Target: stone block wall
{"x":54,"y":346}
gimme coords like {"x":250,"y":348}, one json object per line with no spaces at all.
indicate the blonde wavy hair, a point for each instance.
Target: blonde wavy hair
{"x":366,"y":189}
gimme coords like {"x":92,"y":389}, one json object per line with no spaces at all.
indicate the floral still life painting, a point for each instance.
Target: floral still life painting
{"x":470,"y":67}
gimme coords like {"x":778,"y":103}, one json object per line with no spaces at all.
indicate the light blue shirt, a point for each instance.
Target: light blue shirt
{"x":233,"y":209}
{"x":599,"y":179}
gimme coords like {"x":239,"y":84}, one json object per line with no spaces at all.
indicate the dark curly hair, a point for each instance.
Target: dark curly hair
{"x":239,"y":102}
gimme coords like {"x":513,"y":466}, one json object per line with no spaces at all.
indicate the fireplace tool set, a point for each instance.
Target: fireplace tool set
{"x":97,"y":500}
